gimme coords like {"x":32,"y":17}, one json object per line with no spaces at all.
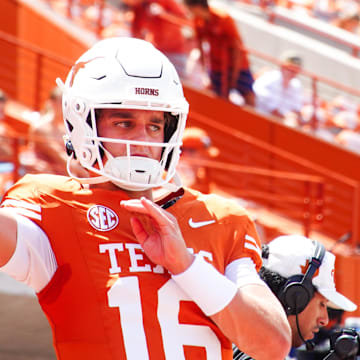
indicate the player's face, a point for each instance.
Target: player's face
{"x":311,"y":319}
{"x":139,"y":125}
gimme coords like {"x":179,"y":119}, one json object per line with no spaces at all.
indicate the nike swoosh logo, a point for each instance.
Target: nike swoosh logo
{"x":198,"y":224}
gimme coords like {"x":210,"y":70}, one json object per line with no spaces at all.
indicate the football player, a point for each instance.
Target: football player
{"x":118,"y":275}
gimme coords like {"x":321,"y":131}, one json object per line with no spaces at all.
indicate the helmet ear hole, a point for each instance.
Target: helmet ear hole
{"x":86,"y":156}
{"x":79,"y":106}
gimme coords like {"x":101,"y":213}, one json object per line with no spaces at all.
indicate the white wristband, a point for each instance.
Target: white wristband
{"x":206,"y":286}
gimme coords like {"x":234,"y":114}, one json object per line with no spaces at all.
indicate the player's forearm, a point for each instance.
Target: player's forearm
{"x":255,"y":321}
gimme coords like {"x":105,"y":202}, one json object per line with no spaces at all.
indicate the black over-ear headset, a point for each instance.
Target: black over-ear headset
{"x":298,"y":289}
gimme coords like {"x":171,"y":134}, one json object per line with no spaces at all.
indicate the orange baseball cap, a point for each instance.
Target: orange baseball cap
{"x":198,"y":139}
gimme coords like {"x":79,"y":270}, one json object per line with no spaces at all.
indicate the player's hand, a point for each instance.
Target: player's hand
{"x":158,"y":233}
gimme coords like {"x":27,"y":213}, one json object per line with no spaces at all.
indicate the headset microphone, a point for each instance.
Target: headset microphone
{"x":310,"y":345}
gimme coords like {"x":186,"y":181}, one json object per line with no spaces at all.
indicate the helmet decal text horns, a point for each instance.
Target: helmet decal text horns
{"x":147,"y":91}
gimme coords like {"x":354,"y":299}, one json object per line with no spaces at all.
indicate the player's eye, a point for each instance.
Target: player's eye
{"x":155,"y":127}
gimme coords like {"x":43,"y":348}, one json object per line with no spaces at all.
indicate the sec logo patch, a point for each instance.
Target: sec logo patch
{"x":102,"y":218}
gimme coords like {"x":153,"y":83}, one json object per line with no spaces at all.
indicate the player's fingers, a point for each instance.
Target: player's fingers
{"x":161,"y":216}
{"x":133,"y":206}
{"x":138,"y":229}
{"x":145,"y":206}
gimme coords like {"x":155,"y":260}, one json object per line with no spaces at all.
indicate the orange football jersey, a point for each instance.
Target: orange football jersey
{"x":107,"y":300}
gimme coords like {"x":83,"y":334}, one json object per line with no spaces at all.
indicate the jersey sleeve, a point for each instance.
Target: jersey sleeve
{"x":234,"y":236}
{"x":243,"y":272}
{"x":245,"y":240}
{"x":33,"y":262}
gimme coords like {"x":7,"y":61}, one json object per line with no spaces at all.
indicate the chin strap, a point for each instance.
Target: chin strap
{"x":175,"y":183}
{"x":85,"y":180}
{"x":172,"y":186}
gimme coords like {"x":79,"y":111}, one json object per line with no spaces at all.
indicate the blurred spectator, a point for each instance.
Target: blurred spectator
{"x":325,"y":10}
{"x":5,"y":150}
{"x":9,"y":146}
{"x":222,"y":51}
{"x":92,"y":12}
{"x":349,"y":21}
{"x":303,"y":6}
{"x":120,"y":23}
{"x":196,"y":146}
{"x":279,"y":92}
{"x":349,"y":139}
{"x":46,"y":153}
{"x":3,"y":100}
{"x":341,"y":13}
{"x":7,"y":135}
{"x":344,"y":113}
{"x":347,"y":7}
{"x":318,"y":124}
{"x":115,"y":19}
{"x":165,"y":24}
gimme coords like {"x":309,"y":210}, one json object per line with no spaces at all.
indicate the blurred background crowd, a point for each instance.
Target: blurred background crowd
{"x":205,"y":43}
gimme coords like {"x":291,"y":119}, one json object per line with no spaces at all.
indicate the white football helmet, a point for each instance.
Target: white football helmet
{"x":131,"y":74}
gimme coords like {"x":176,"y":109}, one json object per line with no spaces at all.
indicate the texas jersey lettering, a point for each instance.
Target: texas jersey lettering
{"x":107,"y":300}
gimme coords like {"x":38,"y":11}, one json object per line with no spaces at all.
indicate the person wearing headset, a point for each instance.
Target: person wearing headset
{"x":300,"y":272}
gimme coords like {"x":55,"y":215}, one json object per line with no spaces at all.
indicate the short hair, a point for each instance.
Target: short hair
{"x":273,"y":280}
{"x":291,"y":57}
